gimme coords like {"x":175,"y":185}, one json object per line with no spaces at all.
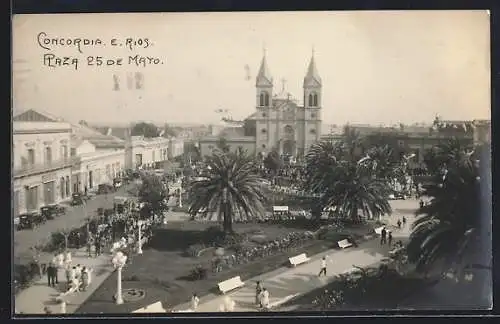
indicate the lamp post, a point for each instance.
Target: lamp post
{"x":119,"y":261}
{"x":139,"y":246}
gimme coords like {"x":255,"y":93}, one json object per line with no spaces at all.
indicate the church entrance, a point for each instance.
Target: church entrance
{"x":289,"y":147}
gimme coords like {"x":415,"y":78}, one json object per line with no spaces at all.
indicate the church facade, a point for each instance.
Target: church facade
{"x":280,"y":122}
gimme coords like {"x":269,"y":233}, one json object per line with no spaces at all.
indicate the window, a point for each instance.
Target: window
{"x":264,"y":131}
{"x":313,"y":115}
{"x":108,"y":171}
{"x":313,"y":100}
{"x":73,"y":151}
{"x":264,"y":99}
{"x":62,"y":183}
{"x":264,"y":114}
{"x":263,"y":146}
{"x":68,"y":186}
{"x":64,"y":152}
{"x":48,"y":155}
{"x":312,"y":131}
{"x":31,"y":156}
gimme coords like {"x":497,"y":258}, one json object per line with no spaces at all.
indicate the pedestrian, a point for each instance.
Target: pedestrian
{"x":383,"y":236}
{"x":97,"y":246}
{"x":77,"y":240}
{"x":90,"y":243}
{"x":258,"y":290}
{"x":69,"y":274}
{"x":264,"y":298}
{"x":323,"y":267}
{"x":51,"y":275}
{"x":78,"y":271}
{"x":67,"y":258}
{"x":399,"y":223}
{"x":84,"y":279}
{"x":404,"y":221}
{"x":194,"y":302}
{"x":389,"y":238}
{"x":421,"y":203}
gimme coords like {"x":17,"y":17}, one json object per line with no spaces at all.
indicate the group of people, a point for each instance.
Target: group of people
{"x":386,"y":235}
{"x":78,"y":277}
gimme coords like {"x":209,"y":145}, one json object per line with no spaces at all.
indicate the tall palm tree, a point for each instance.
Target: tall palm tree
{"x":229,"y":186}
{"x":448,"y":228}
{"x":345,"y":185}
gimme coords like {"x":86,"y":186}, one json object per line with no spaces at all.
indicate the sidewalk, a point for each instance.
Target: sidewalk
{"x":39,"y":295}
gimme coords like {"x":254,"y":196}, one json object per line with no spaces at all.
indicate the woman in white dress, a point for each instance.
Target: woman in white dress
{"x":264,"y":299}
{"x":67,"y":258}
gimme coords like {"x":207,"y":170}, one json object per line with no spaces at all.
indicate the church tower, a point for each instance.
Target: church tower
{"x":312,"y":105}
{"x":264,"y":97}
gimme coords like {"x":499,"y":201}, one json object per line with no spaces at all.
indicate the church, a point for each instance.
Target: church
{"x":280,"y":122}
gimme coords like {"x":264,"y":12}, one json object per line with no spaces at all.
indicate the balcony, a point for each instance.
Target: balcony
{"x":37,"y":168}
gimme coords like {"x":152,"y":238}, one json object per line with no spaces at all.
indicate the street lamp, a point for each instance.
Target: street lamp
{"x":139,"y":247}
{"x":119,"y":261}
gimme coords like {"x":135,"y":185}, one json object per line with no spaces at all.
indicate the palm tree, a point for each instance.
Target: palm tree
{"x":448,"y":228}
{"x":381,"y":160}
{"x":345,"y":185}
{"x":230,"y":185}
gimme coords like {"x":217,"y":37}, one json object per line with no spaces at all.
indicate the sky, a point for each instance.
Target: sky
{"x":377,"y":67}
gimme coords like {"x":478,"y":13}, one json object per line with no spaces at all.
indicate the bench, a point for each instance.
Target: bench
{"x":230,"y":284}
{"x":298,"y":259}
{"x":344,"y":244}
{"x":378,"y":230}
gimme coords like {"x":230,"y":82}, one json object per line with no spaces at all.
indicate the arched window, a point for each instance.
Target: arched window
{"x":310,"y":100}
{"x":61,"y":187}
{"x":264,"y":99}
{"x":315,"y":100}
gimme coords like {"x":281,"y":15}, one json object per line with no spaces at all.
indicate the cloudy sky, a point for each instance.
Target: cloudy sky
{"x":376,"y":67}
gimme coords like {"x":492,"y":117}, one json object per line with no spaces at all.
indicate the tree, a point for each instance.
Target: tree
{"x":154,"y":194}
{"x":169,"y":131}
{"x":450,"y":227}
{"x":229,"y":186}
{"x":273,"y":161}
{"x":345,"y":185}
{"x":223,"y":145}
{"x":147,"y":130}
{"x":447,"y":152}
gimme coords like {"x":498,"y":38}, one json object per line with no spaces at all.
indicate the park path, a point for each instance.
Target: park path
{"x":286,"y":283}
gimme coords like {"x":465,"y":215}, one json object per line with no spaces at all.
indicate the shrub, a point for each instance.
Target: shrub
{"x":198,"y":273}
{"x":213,"y":235}
{"x":194,"y":249}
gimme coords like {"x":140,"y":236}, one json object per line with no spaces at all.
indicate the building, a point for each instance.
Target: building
{"x":142,"y":152}
{"x":175,"y":147}
{"x":482,"y":132}
{"x":414,"y":139}
{"x":279,"y":122}
{"x":98,"y":158}
{"x":41,"y":161}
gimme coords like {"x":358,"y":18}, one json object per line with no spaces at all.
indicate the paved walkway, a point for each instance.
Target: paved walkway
{"x":39,"y":295}
{"x":286,"y":283}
